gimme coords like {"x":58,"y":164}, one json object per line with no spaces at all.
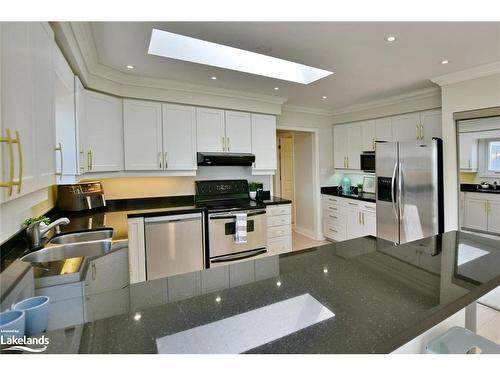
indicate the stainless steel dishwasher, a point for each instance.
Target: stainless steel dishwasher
{"x":174,"y":245}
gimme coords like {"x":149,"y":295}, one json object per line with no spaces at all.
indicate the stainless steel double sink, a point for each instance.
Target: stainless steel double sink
{"x":73,"y":245}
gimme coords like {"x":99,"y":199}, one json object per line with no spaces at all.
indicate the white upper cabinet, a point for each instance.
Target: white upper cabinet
{"x":354,"y":149}
{"x":406,"y":127}
{"x":468,"y":152}
{"x":430,"y":125}
{"x":179,"y":137}
{"x":264,"y":142}
{"x":210,"y":129}
{"x":238,"y":132}
{"x":383,"y":129}
{"x":27,"y":108}
{"x":340,"y":146}
{"x":142,"y":132}
{"x":102,"y":132}
{"x":368,"y":135}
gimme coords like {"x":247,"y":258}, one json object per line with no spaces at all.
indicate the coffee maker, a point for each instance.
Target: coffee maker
{"x":81,"y":196}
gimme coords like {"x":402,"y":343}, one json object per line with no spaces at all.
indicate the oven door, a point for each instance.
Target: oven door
{"x":222,"y":245}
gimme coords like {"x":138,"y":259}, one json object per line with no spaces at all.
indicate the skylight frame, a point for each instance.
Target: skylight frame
{"x":185,"y":48}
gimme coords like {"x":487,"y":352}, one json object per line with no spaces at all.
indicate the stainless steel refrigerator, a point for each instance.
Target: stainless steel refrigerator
{"x":409,"y":190}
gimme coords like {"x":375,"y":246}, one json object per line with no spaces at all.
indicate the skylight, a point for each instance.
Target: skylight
{"x":180,"y":47}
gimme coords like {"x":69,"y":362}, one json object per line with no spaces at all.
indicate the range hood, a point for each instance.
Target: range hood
{"x":225,"y":158}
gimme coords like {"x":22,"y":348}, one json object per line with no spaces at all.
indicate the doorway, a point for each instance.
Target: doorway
{"x":297,"y":179}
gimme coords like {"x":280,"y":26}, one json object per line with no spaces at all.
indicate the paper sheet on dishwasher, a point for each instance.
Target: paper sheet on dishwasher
{"x":248,"y":330}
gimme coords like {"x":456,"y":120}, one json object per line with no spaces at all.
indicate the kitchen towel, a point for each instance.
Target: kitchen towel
{"x":240,"y":230}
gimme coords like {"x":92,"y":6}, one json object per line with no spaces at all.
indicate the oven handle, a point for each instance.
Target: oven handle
{"x":224,"y":216}
{"x":230,"y":258}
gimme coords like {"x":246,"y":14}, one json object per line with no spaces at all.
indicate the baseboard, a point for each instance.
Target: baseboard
{"x":305,"y":232}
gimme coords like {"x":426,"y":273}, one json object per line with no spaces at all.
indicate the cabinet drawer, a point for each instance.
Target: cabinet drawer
{"x":282,"y":209}
{"x":282,"y":230}
{"x":279,"y":245}
{"x":273,"y":221}
{"x":334,"y":231}
{"x":329,"y":199}
{"x":61,"y":292}
{"x":338,"y":217}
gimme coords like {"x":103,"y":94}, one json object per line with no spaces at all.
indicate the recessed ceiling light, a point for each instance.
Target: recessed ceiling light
{"x":137,"y":316}
{"x":213,"y":77}
{"x":444,"y":62}
{"x":278,"y":283}
{"x":325,"y":270}
{"x":218,"y":299}
{"x":129,"y":67}
{"x":325,"y":97}
{"x":180,"y":47}
{"x":390,"y":38}
{"x":276,"y":88}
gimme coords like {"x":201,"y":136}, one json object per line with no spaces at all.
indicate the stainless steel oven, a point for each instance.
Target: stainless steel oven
{"x":223,"y":248}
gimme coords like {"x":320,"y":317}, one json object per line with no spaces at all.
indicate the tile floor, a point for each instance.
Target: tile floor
{"x":300,"y":242}
{"x":488,"y":323}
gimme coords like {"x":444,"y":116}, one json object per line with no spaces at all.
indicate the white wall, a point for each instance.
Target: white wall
{"x":294,"y":119}
{"x":463,"y":96}
{"x":304,"y":193}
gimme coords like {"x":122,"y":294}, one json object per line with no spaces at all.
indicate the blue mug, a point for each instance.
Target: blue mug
{"x":37,"y":314}
{"x":12,"y":324}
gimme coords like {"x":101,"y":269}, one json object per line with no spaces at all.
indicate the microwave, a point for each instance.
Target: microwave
{"x":368,"y":161}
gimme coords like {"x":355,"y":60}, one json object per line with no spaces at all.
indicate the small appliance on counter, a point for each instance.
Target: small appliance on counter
{"x":345,"y":185}
{"x":369,"y":184}
{"x":81,"y":196}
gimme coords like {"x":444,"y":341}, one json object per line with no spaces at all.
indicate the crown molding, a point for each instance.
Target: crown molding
{"x":397,"y":99}
{"x":468,"y":74}
{"x":308,"y":110}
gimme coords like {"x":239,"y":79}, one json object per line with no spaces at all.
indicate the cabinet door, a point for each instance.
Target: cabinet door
{"x":431,"y":124}
{"x":369,"y":219}
{"x":494,"y":216}
{"x":103,"y":132}
{"x":17,"y":106}
{"x":179,"y":137}
{"x":340,"y":146}
{"x":354,"y":146}
{"x":475,"y":214}
{"x":238,"y":132}
{"x":468,"y":152}
{"x":142,"y":134}
{"x":109,"y":272}
{"x":41,"y":44}
{"x":383,"y":129}
{"x":210,"y":130}
{"x":264,"y":141}
{"x":406,"y":127}
{"x":65,"y":116}
{"x":354,"y":223}
{"x":368,"y":136}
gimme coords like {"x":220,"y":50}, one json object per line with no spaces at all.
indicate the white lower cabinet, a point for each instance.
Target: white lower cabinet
{"x":279,"y":229}
{"x":481,"y":211}
{"x":345,"y":218}
{"x":109,"y":272}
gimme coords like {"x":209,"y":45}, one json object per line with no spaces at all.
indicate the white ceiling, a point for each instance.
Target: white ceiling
{"x":366,"y":66}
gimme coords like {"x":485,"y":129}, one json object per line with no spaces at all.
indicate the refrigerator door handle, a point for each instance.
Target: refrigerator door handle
{"x":400,"y":191}
{"x":393,"y":181}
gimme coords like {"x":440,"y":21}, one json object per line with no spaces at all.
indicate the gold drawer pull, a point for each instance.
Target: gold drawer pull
{"x":10,"y":183}
{"x":17,"y":141}
{"x":60,"y":149}
{"x":333,"y":217}
{"x":333,"y":230}
{"x":332,"y":208}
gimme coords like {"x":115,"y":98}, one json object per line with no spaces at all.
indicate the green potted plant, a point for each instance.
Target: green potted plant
{"x":252,"y":188}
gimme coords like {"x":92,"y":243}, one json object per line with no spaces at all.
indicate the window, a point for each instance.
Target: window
{"x":494,"y":156}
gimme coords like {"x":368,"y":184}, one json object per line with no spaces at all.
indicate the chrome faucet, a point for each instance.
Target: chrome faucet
{"x":35,"y":234}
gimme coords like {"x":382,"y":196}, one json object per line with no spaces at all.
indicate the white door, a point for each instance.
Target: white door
{"x":103,"y":132}
{"x":369,"y":219}
{"x":17,"y":107}
{"x":406,"y":127}
{"x":368,"y":135}
{"x":210,"y":130}
{"x":142,"y":134}
{"x":179,"y":137}
{"x":475,"y":214}
{"x":383,"y":129}
{"x":340,"y":146}
{"x":238,"y":132}
{"x":494,"y":216}
{"x":431,"y":124}
{"x":354,"y":145}
{"x":42,"y":74}
{"x":264,"y":142}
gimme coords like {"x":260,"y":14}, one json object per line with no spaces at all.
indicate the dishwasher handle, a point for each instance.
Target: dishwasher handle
{"x":170,"y":218}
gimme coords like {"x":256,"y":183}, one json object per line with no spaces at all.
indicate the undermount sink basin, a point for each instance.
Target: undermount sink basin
{"x":72,"y":245}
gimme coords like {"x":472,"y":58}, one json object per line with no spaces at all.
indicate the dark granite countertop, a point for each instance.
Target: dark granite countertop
{"x":382,"y":295}
{"x":475,"y":188}
{"x":334,"y":190}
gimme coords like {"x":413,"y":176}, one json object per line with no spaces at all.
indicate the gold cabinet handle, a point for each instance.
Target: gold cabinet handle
{"x":17,"y":141}
{"x":60,"y":149}
{"x":160,"y":155}
{"x":223,"y":143}
{"x":10,"y":183}
{"x":165,"y":160}
{"x":418,"y":131}
{"x":228,"y":145}
{"x":89,"y":160}
{"x":421,"y":131}
{"x":80,"y":161}
{"x":363,"y":218}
